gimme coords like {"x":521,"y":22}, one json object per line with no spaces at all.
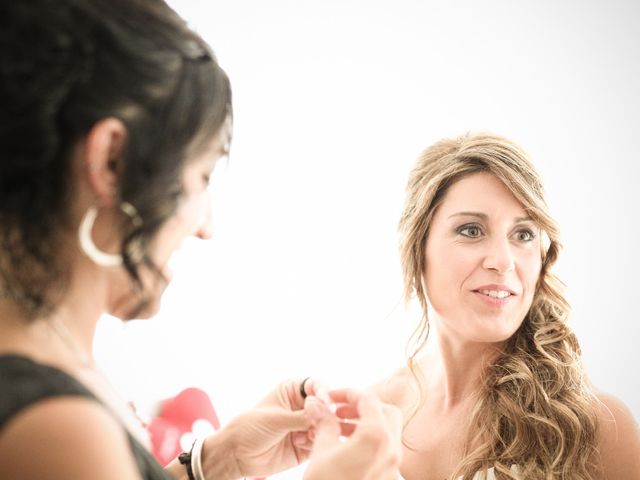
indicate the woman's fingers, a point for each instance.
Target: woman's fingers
{"x":347,"y":411}
{"x":302,"y":441}
{"x":324,"y":425}
{"x":316,"y":388}
{"x":347,"y":429}
{"x":346,"y":395}
{"x":372,"y":449}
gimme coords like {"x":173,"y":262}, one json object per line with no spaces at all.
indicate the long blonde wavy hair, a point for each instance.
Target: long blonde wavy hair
{"x":535,"y":407}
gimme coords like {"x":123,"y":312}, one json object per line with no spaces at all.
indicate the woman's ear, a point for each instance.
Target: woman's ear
{"x":102,"y":159}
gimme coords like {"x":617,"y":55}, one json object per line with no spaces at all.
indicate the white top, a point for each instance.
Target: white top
{"x":490,"y":474}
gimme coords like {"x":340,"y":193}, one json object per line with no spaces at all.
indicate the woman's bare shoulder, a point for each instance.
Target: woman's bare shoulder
{"x":619,"y":441}
{"x":395,"y":388}
{"x":65,"y":437}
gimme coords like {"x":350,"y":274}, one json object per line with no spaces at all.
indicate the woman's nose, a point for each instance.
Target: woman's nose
{"x":205,"y":229}
{"x":499,"y":256}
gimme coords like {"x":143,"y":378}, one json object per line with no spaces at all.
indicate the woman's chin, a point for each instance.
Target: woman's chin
{"x":137,"y":308}
{"x":496,"y":336}
{"x":146,"y":311}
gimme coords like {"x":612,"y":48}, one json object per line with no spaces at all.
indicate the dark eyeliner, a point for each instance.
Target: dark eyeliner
{"x":530,"y":232}
{"x":467,"y":226}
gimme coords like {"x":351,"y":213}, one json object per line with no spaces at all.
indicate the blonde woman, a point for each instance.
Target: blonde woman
{"x":494,"y":382}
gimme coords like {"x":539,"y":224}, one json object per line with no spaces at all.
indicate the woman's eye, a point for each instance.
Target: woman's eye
{"x":525,"y":235}
{"x":471,"y":231}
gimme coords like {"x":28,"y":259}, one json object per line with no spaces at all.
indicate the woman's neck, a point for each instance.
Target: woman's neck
{"x":453,"y":368}
{"x":56,"y":339}
{"x":64,"y":340}
{"x":65,"y":335}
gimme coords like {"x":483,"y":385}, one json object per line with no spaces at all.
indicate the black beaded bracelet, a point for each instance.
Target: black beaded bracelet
{"x":185,"y":459}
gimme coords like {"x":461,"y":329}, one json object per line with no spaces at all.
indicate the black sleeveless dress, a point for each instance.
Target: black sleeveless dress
{"x":24,"y":382}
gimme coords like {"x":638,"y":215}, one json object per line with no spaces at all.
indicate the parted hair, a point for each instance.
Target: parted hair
{"x":535,"y":407}
{"x":64,"y":66}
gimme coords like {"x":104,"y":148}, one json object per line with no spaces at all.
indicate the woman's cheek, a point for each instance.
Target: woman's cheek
{"x":192,"y":213}
{"x":533,"y":265}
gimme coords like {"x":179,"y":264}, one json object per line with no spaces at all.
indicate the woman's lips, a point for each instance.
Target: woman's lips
{"x":494,"y":295}
{"x":493,"y":301}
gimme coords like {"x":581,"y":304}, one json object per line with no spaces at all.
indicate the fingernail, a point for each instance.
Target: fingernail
{"x":314,"y":410}
{"x":323,"y":394}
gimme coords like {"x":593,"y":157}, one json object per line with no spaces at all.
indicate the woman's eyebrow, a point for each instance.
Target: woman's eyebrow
{"x":484,"y":216}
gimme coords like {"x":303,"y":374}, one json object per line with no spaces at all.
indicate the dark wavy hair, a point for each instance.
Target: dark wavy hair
{"x":64,"y":66}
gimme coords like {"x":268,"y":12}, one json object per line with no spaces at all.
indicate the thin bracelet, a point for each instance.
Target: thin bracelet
{"x":185,"y":459}
{"x":196,"y":459}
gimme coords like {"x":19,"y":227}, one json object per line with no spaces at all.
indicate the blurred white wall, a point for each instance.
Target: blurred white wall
{"x":333,"y":102}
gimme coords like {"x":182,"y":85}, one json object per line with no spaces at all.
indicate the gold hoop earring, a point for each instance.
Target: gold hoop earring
{"x":90,"y":249}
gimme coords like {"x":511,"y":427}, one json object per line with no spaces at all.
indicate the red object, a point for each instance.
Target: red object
{"x":175,"y":422}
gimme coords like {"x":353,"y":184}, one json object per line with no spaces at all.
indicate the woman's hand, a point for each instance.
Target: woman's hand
{"x":372,"y":449}
{"x":273,"y":436}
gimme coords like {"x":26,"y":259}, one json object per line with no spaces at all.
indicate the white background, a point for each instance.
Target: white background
{"x":333,"y":102}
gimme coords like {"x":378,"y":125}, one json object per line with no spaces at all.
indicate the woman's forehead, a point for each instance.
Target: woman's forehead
{"x":481,"y":193}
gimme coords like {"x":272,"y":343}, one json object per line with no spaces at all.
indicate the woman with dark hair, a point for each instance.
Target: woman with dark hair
{"x":113,"y":116}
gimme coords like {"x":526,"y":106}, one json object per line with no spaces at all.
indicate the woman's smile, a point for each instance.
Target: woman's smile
{"x":495,"y":295}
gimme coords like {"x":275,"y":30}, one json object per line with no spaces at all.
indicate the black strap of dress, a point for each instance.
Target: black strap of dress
{"x":24,"y":382}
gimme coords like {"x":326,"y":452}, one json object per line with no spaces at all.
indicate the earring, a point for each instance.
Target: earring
{"x":89,"y":248}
